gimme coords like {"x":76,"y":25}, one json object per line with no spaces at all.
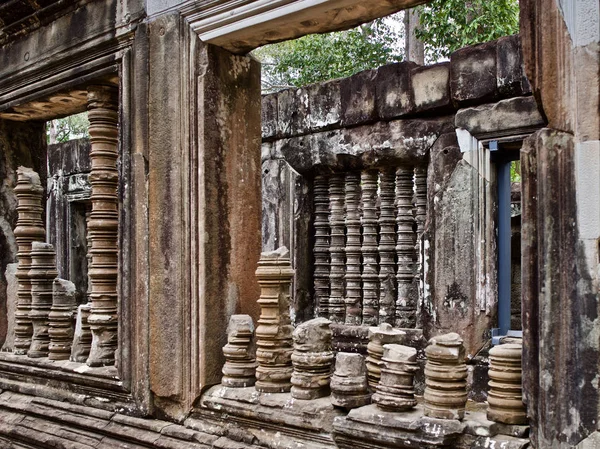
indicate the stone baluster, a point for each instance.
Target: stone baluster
{"x":312,"y":359}
{"x":353,"y":250}
{"x":420,"y":213}
{"x":82,"y":336}
{"x":274,"y":332}
{"x":64,"y":305}
{"x":505,"y":398}
{"x":349,"y":386}
{"x":337,"y":248}
{"x":42,"y":274}
{"x":378,"y":337}
{"x":387,"y":247}
{"x":395,"y":391}
{"x":103,"y":224}
{"x":321,"y":248}
{"x":406,"y":304}
{"x":240,"y":363}
{"x":445,"y":377}
{"x":30,"y":228}
{"x":370,"y":251}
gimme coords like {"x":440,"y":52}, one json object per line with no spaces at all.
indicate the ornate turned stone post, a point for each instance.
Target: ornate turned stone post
{"x":378,"y":337}
{"x":274,"y":332}
{"x":240,"y":363}
{"x":387,"y":247}
{"x":103,"y":224}
{"x":312,"y":359}
{"x":420,"y":212}
{"x":396,"y":391}
{"x":42,"y":273}
{"x":353,"y":250}
{"x":406,"y":305}
{"x":64,"y":304}
{"x":445,"y":377}
{"x":337,"y":248}
{"x":505,"y":398}
{"x":349,"y":387}
{"x":321,"y":248}
{"x":370,"y":271}
{"x":30,"y":228}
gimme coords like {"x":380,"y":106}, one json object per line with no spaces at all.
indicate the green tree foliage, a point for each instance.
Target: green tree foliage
{"x":321,"y":57}
{"x":68,"y":128}
{"x":447,"y":25}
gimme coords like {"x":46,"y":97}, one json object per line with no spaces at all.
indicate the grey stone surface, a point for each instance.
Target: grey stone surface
{"x":473,"y":74}
{"x":358,"y":98}
{"x":12,"y":286}
{"x":431,"y":89}
{"x":394,"y":97}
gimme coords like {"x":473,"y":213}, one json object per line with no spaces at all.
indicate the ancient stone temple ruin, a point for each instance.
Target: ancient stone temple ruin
{"x":341,"y":265}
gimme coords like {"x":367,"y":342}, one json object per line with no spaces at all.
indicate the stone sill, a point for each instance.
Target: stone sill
{"x":66,"y":366}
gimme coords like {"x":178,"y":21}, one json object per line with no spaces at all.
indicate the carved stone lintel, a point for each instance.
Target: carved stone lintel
{"x":82,"y":337}
{"x":445,"y":377}
{"x":505,"y":398}
{"x":103,"y":223}
{"x":64,"y":305}
{"x":312,"y":359}
{"x":240,"y":363}
{"x":378,"y":337}
{"x":387,"y":248}
{"x":349,"y":386}
{"x":370,"y":251}
{"x":274,"y":332}
{"x":321,"y":248}
{"x":395,"y":391}
{"x":353,"y":250}
{"x":406,"y":304}
{"x":42,"y":273}
{"x":30,"y":228}
{"x":337,"y":245}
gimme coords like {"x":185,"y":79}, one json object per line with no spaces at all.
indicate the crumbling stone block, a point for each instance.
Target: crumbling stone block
{"x":12,"y":286}
{"x":378,"y":337}
{"x":64,"y":304}
{"x":358,"y":98}
{"x":510,"y":73}
{"x":393,"y":91}
{"x":240,"y":363}
{"x":395,"y":390}
{"x":324,"y":105}
{"x":293,"y":112}
{"x":430,"y":88}
{"x":269,"y":116}
{"x":473,"y":75}
{"x":349,"y":386}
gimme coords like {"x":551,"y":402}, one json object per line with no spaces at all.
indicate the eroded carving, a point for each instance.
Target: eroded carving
{"x":395,"y":391}
{"x":378,"y":337}
{"x":240,"y":362}
{"x":349,"y":385}
{"x":64,"y":304}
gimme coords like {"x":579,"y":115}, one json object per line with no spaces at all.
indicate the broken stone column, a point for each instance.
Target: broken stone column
{"x":395,"y":391}
{"x":82,"y":337}
{"x":379,"y":336}
{"x":274,"y":332}
{"x":505,"y":398}
{"x":12,"y":287}
{"x":349,"y":386}
{"x":64,"y":304}
{"x":30,"y":228}
{"x":42,"y":273}
{"x":312,"y":359}
{"x":103,"y":223}
{"x":445,"y":377}
{"x":240,"y":363}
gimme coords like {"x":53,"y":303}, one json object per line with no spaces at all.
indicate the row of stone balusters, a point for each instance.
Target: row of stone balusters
{"x":301,"y":362}
{"x":367,"y":253}
{"x":43,"y":316}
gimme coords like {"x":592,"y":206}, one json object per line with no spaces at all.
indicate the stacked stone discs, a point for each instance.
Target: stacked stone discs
{"x":379,"y":336}
{"x":240,"y":364}
{"x":349,"y":386}
{"x":395,"y":391}
{"x":312,"y":359}
{"x":64,"y":304}
{"x":505,"y":397}
{"x":445,"y":378}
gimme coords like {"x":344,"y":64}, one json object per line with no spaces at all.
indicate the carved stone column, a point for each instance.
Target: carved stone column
{"x":387,"y":247}
{"x":103,"y":224}
{"x":396,"y":391}
{"x":240,"y":363}
{"x":406,"y":305}
{"x":353,"y":250}
{"x":505,"y":398}
{"x":337,"y":249}
{"x":379,"y":336}
{"x":42,"y":274}
{"x":420,"y":212}
{"x":30,"y":228}
{"x":321,"y":248}
{"x":445,"y":377}
{"x":370,"y":271}
{"x":312,"y":359}
{"x":274,"y":331}
{"x":64,"y":305}
{"x":349,"y":386}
